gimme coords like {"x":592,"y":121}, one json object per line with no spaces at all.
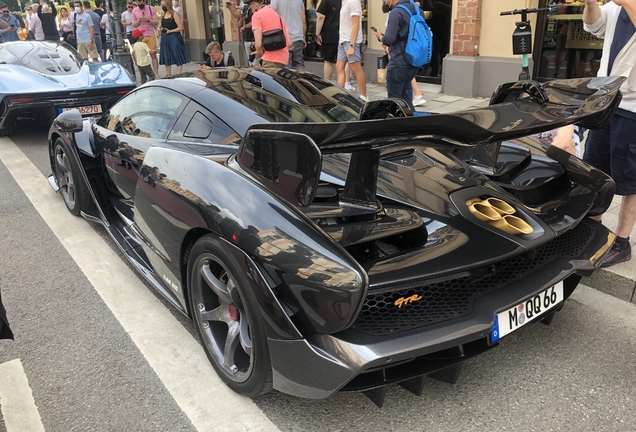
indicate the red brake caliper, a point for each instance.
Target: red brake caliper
{"x":234,"y":314}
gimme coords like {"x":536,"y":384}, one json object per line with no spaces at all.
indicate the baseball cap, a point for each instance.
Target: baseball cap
{"x":136,"y":33}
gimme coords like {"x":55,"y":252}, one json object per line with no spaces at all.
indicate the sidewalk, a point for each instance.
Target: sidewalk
{"x":618,"y":281}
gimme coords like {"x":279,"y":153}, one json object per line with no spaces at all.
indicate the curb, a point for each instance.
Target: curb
{"x":611,"y":282}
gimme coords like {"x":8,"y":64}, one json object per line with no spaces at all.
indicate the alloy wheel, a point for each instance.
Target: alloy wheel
{"x":222,"y":319}
{"x":64,"y":176}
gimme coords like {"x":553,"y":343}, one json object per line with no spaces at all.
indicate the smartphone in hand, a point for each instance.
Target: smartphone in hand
{"x":375,"y":30}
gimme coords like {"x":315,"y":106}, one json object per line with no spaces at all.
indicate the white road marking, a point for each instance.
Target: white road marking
{"x":177,"y":358}
{"x":16,"y":399}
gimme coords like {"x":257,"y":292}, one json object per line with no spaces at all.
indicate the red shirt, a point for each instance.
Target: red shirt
{"x":267,"y":19}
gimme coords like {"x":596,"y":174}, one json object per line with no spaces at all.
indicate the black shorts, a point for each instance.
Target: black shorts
{"x":329,"y":52}
{"x":613,"y":150}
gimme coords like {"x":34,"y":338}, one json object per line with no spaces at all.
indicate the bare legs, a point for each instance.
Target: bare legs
{"x":362,"y":79}
{"x":626,"y":216}
{"x":155,"y":62}
{"x":340,"y":70}
{"x":327,"y":69}
{"x":357,"y":70}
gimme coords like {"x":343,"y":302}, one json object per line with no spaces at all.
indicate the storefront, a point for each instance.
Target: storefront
{"x":481,"y":52}
{"x":210,"y":20}
{"x":563,"y":48}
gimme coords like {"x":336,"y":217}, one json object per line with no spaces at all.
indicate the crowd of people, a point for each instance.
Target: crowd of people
{"x":88,"y":29}
{"x":338,"y":31}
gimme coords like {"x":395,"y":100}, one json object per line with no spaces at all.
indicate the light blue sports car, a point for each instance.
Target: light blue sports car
{"x":40,"y":79}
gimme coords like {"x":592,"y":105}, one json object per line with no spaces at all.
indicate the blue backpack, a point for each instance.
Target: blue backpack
{"x":419,"y":45}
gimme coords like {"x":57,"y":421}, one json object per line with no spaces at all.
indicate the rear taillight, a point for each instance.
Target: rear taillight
{"x":22,"y":100}
{"x":123,"y":92}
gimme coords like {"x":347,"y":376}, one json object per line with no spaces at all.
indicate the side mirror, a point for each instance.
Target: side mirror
{"x":286,"y":163}
{"x":69,"y":122}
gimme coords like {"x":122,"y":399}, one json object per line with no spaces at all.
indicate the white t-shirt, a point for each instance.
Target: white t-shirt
{"x":128,"y":17}
{"x":35,"y":25}
{"x":106,"y":22}
{"x":350,"y":8}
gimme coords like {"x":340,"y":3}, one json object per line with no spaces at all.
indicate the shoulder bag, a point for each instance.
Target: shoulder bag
{"x":273,"y":40}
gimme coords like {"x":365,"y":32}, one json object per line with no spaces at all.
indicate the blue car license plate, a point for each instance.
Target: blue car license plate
{"x":87,"y":110}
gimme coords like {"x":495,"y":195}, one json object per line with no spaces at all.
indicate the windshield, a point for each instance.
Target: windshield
{"x":49,"y":58}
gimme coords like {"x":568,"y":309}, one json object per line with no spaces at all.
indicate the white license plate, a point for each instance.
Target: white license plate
{"x":508,"y":321}
{"x":86,"y":110}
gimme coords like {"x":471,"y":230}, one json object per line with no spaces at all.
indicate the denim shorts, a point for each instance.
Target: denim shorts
{"x":342,"y":52}
{"x":613,"y":151}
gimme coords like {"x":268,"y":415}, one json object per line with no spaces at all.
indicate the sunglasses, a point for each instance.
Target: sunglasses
{"x":5,"y":12}
{"x":130,"y":7}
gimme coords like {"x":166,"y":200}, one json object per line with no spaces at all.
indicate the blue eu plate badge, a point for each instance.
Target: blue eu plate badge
{"x":494,"y":333}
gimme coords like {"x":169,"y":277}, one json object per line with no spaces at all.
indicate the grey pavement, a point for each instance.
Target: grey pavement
{"x":618,"y":281}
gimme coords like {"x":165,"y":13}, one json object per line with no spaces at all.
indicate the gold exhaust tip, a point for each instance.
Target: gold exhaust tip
{"x":499,"y":214}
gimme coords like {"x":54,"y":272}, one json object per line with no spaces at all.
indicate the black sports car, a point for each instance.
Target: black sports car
{"x":40,"y":79}
{"x":322,"y":244}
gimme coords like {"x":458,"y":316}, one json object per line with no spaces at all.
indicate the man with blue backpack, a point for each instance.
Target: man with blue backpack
{"x":410,"y":42}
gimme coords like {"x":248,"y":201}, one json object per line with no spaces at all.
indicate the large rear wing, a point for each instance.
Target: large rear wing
{"x":517,"y":109}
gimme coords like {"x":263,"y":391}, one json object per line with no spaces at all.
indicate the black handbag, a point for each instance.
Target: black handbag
{"x":273,"y":40}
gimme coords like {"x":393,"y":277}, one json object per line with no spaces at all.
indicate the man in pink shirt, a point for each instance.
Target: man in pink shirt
{"x":145,"y":19}
{"x":264,"y":20}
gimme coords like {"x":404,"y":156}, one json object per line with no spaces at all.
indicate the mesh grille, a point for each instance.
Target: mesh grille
{"x":454,"y":298}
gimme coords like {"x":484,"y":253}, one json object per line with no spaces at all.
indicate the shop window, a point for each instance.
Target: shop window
{"x":438,"y":15}
{"x":563,"y":49}
{"x":214,"y":16}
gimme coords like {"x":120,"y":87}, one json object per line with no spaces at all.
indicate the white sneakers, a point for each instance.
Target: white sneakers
{"x":348,"y":86}
{"x":418,"y":100}
{"x":364,"y":98}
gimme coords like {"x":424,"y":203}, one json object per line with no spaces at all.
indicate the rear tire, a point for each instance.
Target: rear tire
{"x":225,"y":313}
{"x":69,"y":178}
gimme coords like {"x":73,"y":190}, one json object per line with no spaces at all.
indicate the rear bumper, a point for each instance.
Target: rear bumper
{"x":320,"y":365}
{"x":12,"y":109}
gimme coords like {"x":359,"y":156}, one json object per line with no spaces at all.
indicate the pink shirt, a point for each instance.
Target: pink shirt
{"x":147,"y":12}
{"x":267,"y":19}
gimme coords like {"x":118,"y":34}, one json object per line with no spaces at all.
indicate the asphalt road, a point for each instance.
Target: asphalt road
{"x":96,"y":349}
